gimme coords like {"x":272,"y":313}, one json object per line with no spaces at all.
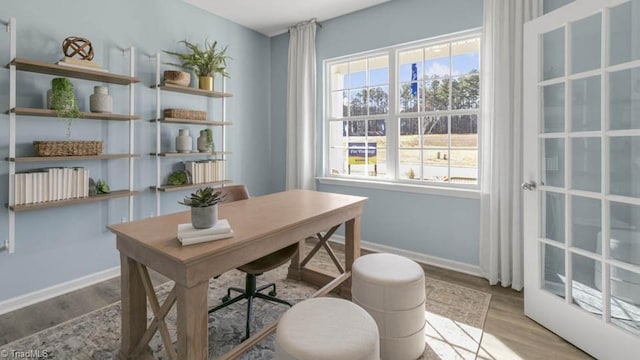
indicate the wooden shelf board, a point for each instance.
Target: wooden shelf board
{"x":58,"y":203}
{"x":77,"y":73}
{"x":194,"y":153}
{"x":83,"y":115}
{"x":169,"y":188}
{"x":191,"y":90}
{"x":189,"y":121}
{"x":28,"y":159}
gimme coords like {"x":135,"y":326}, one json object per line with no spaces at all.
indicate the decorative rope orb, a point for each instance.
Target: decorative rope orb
{"x":75,"y":45}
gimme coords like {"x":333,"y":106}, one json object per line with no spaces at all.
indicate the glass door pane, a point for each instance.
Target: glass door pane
{"x":553,"y":54}
{"x":585,"y":44}
{"x":553,"y":274}
{"x":587,"y":283}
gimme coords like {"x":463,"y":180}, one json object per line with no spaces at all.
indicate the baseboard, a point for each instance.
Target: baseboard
{"x":57,"y":290}
{"x":418,"y":257}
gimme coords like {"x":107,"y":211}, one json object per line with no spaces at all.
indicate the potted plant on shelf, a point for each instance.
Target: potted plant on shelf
{"x":206,"y":63}
{"x":204,"y":207}
{"x":61,"y":99}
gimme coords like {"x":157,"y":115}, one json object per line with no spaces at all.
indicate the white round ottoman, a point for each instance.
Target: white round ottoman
{"x":327,"y":329}
{"x":391,"y":288}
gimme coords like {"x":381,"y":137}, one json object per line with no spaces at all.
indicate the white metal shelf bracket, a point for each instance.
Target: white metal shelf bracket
{"x":10,"y":243}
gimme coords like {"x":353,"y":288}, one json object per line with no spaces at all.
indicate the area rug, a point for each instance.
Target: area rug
{"x":455,"y":318}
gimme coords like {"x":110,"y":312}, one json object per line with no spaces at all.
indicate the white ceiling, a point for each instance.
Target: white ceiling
{"x":273,"y":17}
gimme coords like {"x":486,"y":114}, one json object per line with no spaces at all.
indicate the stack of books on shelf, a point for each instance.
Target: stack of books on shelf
{"x":206,"y":171}
{"x":188,"y":235}
{"x":51,"y":184}
{"x":81,"y":64}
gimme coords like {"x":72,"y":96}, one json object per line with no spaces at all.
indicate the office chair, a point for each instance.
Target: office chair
{"x":254,"y":268}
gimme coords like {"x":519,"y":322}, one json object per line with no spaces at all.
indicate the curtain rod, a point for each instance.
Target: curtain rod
{"x":319,"y":24}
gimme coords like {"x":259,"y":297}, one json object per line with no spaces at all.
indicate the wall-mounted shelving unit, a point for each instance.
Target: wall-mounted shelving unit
{"x":39,"y":67}
{"x":159,"y":120}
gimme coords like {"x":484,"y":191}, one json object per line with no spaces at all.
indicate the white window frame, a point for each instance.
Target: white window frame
{"x":392,"y":181}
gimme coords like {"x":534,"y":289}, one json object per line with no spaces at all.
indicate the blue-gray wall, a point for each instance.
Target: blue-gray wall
{"x":442,"y":226}
{"x":61,"y":244}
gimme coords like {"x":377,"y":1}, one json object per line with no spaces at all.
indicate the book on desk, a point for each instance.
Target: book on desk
{"x":188,"y":235}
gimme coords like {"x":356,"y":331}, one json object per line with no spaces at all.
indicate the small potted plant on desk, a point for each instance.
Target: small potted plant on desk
{"x":204,"y":207}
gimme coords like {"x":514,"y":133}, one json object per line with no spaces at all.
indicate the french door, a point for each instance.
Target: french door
{"x":582,"y":175}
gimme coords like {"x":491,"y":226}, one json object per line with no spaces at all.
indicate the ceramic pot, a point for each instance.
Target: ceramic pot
{"x":205,"y":83}
{"x":68,"y":103}
{"x":203,"y":145}
{"x":204,"y":217}
{"x":100,"y":101}
{"x":184,"y":142}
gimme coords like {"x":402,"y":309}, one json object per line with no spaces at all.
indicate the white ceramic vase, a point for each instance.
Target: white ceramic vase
{"x":184,"y":142}
{"x":203,"y":145}
{"x":100,"y":101}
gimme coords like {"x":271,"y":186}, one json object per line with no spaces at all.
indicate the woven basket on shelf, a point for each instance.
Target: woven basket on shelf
{"x":185,"y":114}
{"x":68,"y":148}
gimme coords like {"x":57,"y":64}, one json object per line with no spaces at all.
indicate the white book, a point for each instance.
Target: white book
{"x":63,"y":186}
{"x":186,"y":231}
{"x":205,"y":238}
{"x":86,"y":183}
{"x":76,"y":182}
{"x":45,"y":186}
{"x":17,"y":196}
{"x":41,"y":186}
{"x":50,"y":185}
{"x":38,"y":187}
{"x":69,"y":183}
{"x":54,"y":175}
{"x":28,"y":188}
{"x":66,"y":64}
{"x":214,"y":165}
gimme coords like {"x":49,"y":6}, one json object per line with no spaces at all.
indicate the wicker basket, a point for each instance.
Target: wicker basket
{"x":185,"y":114}
{"x":68,"y":148}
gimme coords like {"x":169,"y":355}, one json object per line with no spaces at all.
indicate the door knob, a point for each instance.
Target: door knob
{"x":529,"y":186}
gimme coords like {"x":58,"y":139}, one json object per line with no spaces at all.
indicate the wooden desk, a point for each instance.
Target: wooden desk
{"x":262,"y":225}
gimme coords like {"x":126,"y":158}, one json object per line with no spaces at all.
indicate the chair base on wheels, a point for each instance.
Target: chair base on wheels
{"x":250,"y":292}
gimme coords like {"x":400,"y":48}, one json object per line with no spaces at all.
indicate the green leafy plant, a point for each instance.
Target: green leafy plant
{"x":204,"y":62}
{"x":204,"y":197}
{"x":179,"y":177}
{"x":63,"y":101}
{"x":102,"y":187}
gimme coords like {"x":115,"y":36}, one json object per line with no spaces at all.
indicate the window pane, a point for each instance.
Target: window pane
{"x":409,"y":97}
{"x":409,"y":164}
{"x":624,"y":90}
{"x":465,"y":92}
{"x":552,"y":162}
{"x":378,"y":71}
{"x":586,"y":222}
{"x":435,"y":132}
{"x":410,"y":65}
{"x":358,"y":74}
{"x":337,"y":161}
{"x":436,"y":62}
{"x":552,"y":216}
{"x":355,"y":130}
{"x":464,"y":131}
{"x":339,"y":76}
{"x":338,"y":133}
{"x":553,"y":54}
{"x":585,"y":115}
{"x":624,"y":168}
{"x":409,"y":132}
{"x":436,"y":165}
{"x":464,"y":166}
{"x":624,"y":243}
{"x":623,"y":25}
{"x":585,"y":44}
{"x":553,"y":108}
{"x":585,"y":167}
{"x":339,"y":102}
{"x":378,"y":100}
{"x":358,"y":102}
{"x":465,"y":57}
{"x":363,"y":158}
{"x":625,"y":299}
{"x":436,"y":95}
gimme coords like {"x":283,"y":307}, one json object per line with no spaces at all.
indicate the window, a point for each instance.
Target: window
{"x":406,"y":113}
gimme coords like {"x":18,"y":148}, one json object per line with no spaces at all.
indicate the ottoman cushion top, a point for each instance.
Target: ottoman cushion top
{"x":387,"y":269}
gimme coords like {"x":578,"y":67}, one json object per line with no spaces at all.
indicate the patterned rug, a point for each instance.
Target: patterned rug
{"x":455,"y":318}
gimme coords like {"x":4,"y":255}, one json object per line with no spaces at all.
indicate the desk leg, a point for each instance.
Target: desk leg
{"x":193,"y":334}
{"x":351,"y":250}
{"x":295,"y":270}
{"x":134,"y":310}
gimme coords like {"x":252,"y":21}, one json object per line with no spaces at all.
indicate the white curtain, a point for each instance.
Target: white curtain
{"x":301,"y":107}
{"x":501,"y":237}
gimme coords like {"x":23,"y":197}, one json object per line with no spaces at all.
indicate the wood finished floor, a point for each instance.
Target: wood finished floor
{"x":508,"y":334}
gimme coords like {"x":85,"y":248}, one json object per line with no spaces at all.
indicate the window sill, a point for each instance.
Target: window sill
{"x":410,"y":188}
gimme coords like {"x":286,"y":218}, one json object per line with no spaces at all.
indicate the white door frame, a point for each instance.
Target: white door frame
{"x":595,"y":335}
